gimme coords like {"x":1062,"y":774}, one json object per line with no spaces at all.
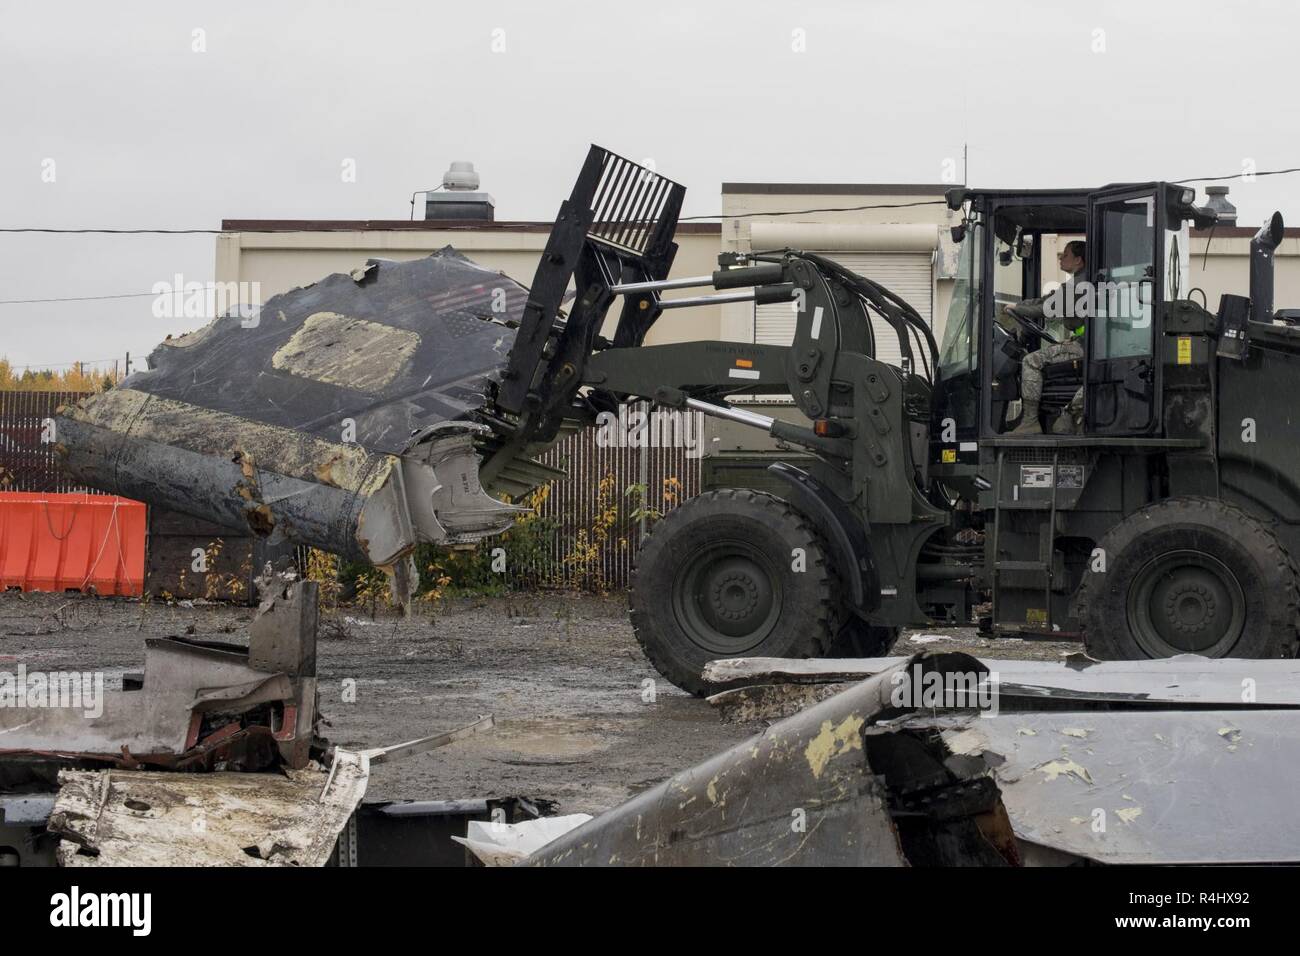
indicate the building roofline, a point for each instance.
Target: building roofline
{"x":832,"y":189}
{"x":417,"y":225}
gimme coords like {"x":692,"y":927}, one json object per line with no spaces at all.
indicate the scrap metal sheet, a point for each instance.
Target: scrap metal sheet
{"x":179,"y":679}
{"x":1185,"y":679}
{"x":1152,"y":787}
{"x":132,"y":818}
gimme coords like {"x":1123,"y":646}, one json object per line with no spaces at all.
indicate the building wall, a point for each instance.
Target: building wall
{"x":299,"y":256}
{"x":305,"y":252}
{"x":745,"y":204}
{"x":1228,"y":269}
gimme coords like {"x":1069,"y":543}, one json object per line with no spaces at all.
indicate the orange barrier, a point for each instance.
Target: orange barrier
{"x":72,"y":542}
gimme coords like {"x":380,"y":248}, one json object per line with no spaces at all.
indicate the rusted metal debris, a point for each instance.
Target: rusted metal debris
{"x":339,"y":416}
{"x":126,"y":818}
{"x":294,"y":818}
{"x":202,"y":705}
{"x":1182,"y":761}
{"x":117,"y":785}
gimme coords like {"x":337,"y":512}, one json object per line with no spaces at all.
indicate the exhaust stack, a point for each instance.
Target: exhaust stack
{"x":1262,"y":247}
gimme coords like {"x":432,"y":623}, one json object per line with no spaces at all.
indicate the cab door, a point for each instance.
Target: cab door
{"x":1120,"y":310}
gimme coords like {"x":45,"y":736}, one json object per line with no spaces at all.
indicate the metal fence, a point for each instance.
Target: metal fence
{"x":631,"y":464}
{"x":27,"y":440}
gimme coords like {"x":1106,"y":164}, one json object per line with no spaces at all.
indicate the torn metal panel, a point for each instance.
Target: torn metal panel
{"x":292,"y":818}
{"x":1185,"y":679}
{"x":1153,"y":787}
{"x":337,"y":417}
{"x":199,"y":704}
{"x":127,"y":818}
{"x":809,"y":791}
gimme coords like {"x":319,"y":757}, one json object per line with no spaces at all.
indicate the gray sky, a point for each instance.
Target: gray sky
{"x":145,"y":132}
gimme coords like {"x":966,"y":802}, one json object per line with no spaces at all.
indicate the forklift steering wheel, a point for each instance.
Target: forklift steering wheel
{"x":1031,"y":329}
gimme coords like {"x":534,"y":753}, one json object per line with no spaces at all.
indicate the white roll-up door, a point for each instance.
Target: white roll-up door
{"x":906,"y":274}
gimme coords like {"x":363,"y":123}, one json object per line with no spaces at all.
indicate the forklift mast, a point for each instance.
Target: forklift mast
{"x":613,"y":237}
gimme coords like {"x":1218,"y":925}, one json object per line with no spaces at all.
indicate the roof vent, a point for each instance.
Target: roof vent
{"x":459,"y":198}
{"x":461,"y":175}
{"x":1216,"y":198}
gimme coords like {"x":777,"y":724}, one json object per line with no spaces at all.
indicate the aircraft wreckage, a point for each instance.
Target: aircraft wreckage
{"x":338,"y":416}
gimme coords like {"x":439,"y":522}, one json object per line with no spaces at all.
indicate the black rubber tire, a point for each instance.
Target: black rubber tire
{"x":1165,"y":589}
{"x":736,"y":545}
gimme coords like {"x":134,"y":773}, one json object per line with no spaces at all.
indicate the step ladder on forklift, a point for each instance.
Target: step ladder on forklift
{"x":1047,"y":542}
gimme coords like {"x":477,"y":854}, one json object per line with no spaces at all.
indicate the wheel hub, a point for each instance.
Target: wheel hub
{"x":1190,"y":608}
{"x":1186,"y":602}
{"x":727,"y":598}
{"x":734,"y":596}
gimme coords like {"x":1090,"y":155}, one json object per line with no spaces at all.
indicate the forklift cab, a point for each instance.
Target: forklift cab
{"x":1137,"y":261}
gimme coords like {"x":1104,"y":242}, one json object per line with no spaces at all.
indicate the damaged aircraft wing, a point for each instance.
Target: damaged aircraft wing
{"x":339,"y":415}
{"x":1153,"y":762}
{"x":816,"y":789}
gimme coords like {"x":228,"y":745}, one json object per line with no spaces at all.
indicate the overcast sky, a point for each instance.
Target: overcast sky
{"x":145,"y":132}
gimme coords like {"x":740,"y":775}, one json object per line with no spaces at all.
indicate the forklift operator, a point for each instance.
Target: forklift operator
{"x":1074,"y":260}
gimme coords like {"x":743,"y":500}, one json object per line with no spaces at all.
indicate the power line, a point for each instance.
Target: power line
{"x":1215,"y":179}
{"x":79,"y":298}
{"x":54,"y":365}
{"x":476,"y":226}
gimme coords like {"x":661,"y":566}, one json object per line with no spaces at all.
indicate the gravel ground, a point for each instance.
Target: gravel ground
{"x":562,"y":674}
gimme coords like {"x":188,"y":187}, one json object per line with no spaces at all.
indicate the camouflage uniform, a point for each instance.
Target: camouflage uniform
{"x":1031,"y":376}
{"x":1070,"y":421}
{"x":1031,"y":369}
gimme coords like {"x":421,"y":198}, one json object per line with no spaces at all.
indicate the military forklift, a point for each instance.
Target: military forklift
{"x":1160,"y":522}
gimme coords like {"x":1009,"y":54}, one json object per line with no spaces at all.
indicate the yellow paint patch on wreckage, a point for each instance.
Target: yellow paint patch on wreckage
{"x":208,"y":432}
{"x":832,"y":741}
{"x":340,"y":350}
{"x":1064,"y":766}
{"x":1128,"y":814}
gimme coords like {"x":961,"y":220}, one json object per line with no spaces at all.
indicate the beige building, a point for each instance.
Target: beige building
{"x":283,"y":254}
{"x":906,"y":246}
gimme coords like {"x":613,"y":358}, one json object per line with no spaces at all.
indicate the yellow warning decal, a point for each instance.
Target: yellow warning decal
{"x":1184,"y":350}
{"x":744,"y":363}
{"x":949,"y":456}
{"x":1036,"y":615}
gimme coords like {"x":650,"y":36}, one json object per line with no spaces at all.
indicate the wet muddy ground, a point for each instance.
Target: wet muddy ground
{"x":576,"y":719}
